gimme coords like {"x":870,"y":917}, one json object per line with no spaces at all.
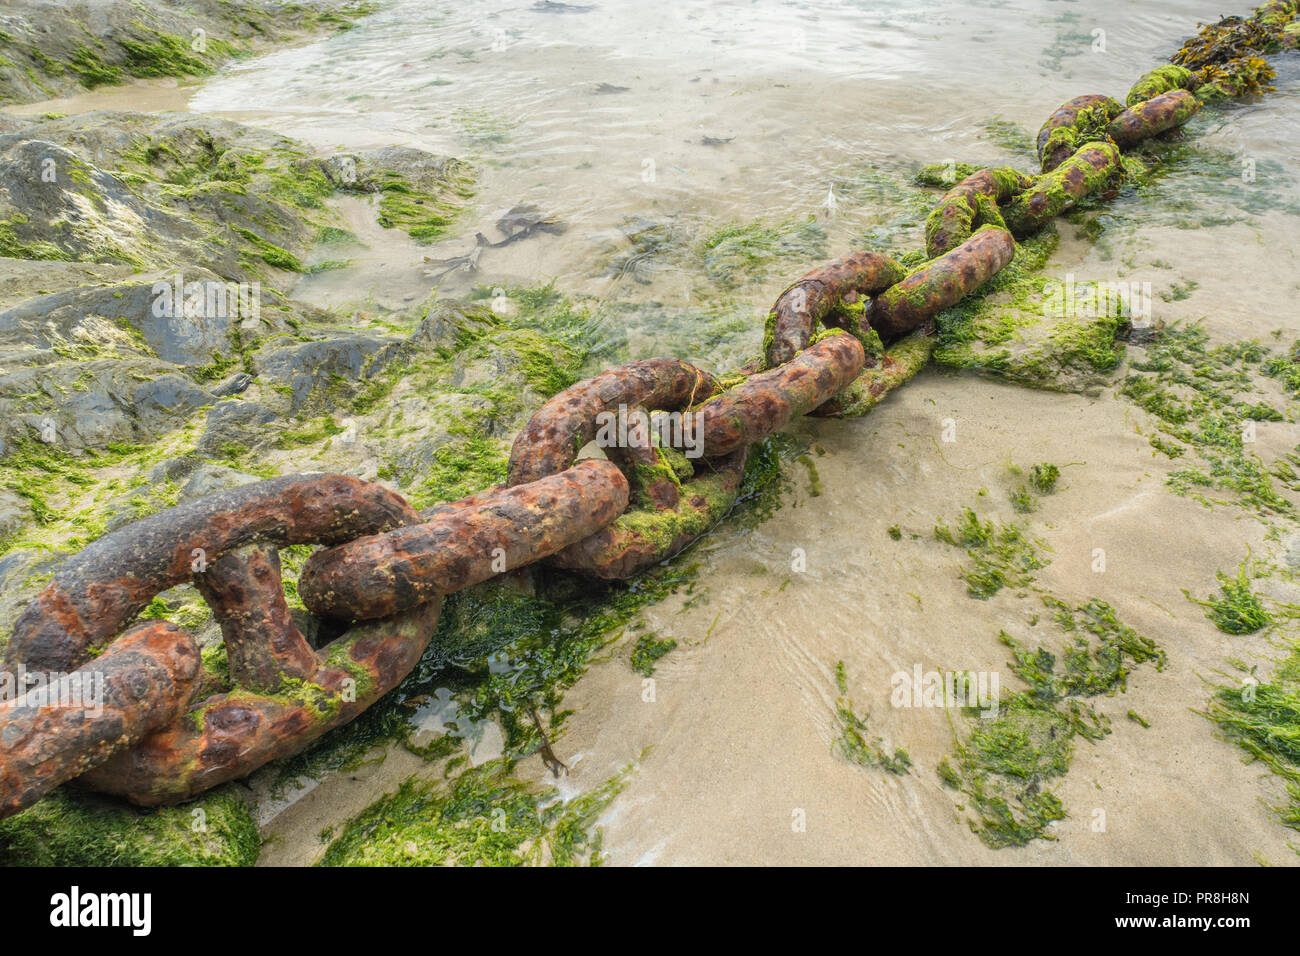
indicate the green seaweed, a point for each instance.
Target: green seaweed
{"x":855,"y":742}
{"x":1007,"y":764}
{"x":743,"y":252}
{"x":1237,"y":609}
{"x":484,"y":817}
{"x":647,"y":652}
{"x":1000,"y":556}
{"x":74,"y":828}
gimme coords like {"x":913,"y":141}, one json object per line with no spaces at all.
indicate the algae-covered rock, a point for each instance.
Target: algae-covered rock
{"x":55,"y":49}
{"x":1037,"y":330}
{"x":419,"y":192}
{"x":14,"y":513}
{"x":92,"y":403}
{"x":1060,"y":338}
{"x":166,"y":190}
{"x":190,"y":318}
{"x":73,"y":828}
{"x":306,"y":368}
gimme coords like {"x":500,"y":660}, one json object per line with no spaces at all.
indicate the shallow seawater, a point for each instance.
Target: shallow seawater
{"x":647,"y":128}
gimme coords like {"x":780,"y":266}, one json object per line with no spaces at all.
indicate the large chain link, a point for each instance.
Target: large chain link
{"x":161,"y":733}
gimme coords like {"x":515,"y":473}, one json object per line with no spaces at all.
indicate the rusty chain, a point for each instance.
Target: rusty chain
{"x":163,"y":733}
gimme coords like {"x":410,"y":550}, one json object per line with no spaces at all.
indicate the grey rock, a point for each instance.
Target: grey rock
{"x":19,"y":581}
{"x":309,"y":367}
{"x":161,"y":403}
{"x":207,"y":479}
{"x":235,"y":423}
{"x":438,"y":418}
{"x":15,"y":512}
{"x":22,"y":279}
{"x":91,"y":404}
{"x":85,"y":212}
{"x":234,"y":385}
{"x":368,"y":171}
{"x":47,"y":39}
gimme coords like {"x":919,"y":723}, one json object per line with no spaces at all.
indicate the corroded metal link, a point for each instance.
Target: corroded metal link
{"x":1162,"y":79}
{"x":230,"y":735}
{"x":1058,"y":137}
{"x":1150,"y":117}
{"x":1095,"y":167}
{"x":942,"y":282}
{"x":99,"y":589}
{"x":657,"y":487}
{"x":263,"y":644}
{"x":766,"y":402}
{"x":551,"y":440}
{"x":383,"y":574}
{"x":882,"y":375}
{"x":645,"y":536}
{"x":972,"y":203}
{"x":655,"y":527}
{"x":302,"y":694}
{"x":140,"y":684}
{"x":802,"y":307}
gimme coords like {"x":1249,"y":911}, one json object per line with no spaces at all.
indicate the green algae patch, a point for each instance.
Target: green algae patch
{"x":647,"y":652}
{"x":485,"y":817}
{"x":1262,"y":715}
{"x":1263,"y":719}
{"x":1237,"y":609}
{"x":856,"y":743}
{"x":12,"y":247}
{"x":998,"y":555}
{"x":745,"y":252}
{"x":72,"y":828}
{"x":1007,"y":764}
{"x":1036,"y":330}
{"x":1043,"y":477}
{"x":426,"y":215}
{"x":1042,"y":481}
{"x":1162,"y":79}
{"x":1203,"y":399}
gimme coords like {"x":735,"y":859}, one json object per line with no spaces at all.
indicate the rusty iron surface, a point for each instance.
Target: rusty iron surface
{"x":942,"y":282}
{"x":764,"y":403}
{"x":230,"y":735}
{"x":1093,"y":167}
{"x":383,"y":574}
{"x":1151,"y":117}
{"x":1067,"y":115}
{"x":263,"y":643}
{"x":102,"y":587}
{"x":627,"y":546}
{"x":812,"y":299}
{"x":962,"y":209}
{"x":141,"y":684}
{"x":551,"y":440}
